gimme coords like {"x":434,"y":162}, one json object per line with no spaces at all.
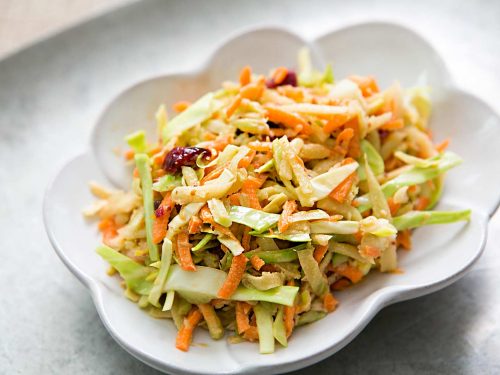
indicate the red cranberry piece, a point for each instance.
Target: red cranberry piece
{"x":290,"y":79}
{"x":183,"y":156}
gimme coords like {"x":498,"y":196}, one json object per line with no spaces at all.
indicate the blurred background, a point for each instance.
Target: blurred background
{"x":22,"y":22}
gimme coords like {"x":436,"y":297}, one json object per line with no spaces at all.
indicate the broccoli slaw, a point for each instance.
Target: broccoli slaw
{"x":262,"y":200}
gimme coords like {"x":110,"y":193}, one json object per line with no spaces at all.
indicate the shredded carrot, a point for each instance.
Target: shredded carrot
{"x":221,"y":142}
{"x":109,"y":229}
{"x":443,"y":145}
{"x":403,"y":239}
{"x":358,"y":236}
{"x":245,"y":239}
{"x":295,"y":93}
{"x":181,"y":106}
{"x":245,"y":75}
{"x":354,"y":145}
{"x":154,"y":151}
{"x":394,"y":124}
{"x":335,"y":122}
{"x":288,"y":119}
{"x":194,"y":225}
{"x":129,"y":154}
{"x":206,"y":215}
{"x":280,"y":75}
{"x":260,"y":146}
{"x":245,"y":162}
{"x":161,"y":221}
{"x":256,"y":262}
{"x":370,"y":251}
{"x":234,"y":199}
{"x":212,"y":175}
{"x":289,"y":315}
{"x":184,"y":251}
{"x":242,"y":321}
{"x":342,"y":190}
{"x":367,"y":85}
{"x":251,"y":334}
{"x":329,"y":302}
{"x":393,"y":206}
{"x":343,"y":140}
{"x":185,"y":334}
{"x":249,"y":189}
{"x":422,"y":203}
{"x":136,"y":173}
{"x":288,"y":209}
{"x":352,"y":273}
{"x":252,"y":91}
{"x":234,"y":276}
{"x":319,"y":252}
{"x":341,"y":284}
{"x":233,"y":106}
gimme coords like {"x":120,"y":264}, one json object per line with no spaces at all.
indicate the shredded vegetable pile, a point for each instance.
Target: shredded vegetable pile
{"x":262,"y":200}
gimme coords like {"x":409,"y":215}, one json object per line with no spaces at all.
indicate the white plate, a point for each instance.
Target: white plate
{"x":440,"y":256}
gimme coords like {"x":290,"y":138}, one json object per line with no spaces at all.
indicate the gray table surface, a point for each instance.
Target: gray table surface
{"x":50,"y":96}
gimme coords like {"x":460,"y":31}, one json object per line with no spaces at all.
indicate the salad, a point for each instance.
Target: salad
{"x":262,"y":200}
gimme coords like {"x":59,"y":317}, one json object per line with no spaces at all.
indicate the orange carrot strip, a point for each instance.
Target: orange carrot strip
{"x":252,"y":91}
{"x":288,"y":119}
{"x":329,"y":302}
{"x":245,"y":239}
{"x":245,"y":162}
{"x":212,"y":175}
{"x":319,"y":252}
{"x":185,"y":334}
{"x":206,"y":215}
{"x":367,"y":85}
{"x":160,"y":223}
{"x":288,"y":208}
{"x":233,"y":106}
{"x":354,"y":145}
{"x":352,"y":273}
{"x":109,"y":229}
{"x":393,"y":206}
{"x":260,"y":146}
{"x":343,"y":139}
{"x":256,"y":262}
{"x":222,"y":141}
{"x":280,"y":75}
{"x":181,"y":106}
{"x":370,"y":251}
{"x":422,"y":203}
{"x":404,"y":239}
{"x":394,"y":124}
{"x":234,"y":199}
{"x":129,"y":154}
{"x":289,"y":315}
{"x":341,"y":284}
{"x":443,"y":145}
{"x":245,"y":75}
{"x":194,"y":225}
{"x":135,"y":173}
{"x":342,"y":190}
{"x":242,"y":321}
{"x":251,"y":334}
{"x":335,"y":122}
{"x":184,"y":252}
{"x":234,"y":276}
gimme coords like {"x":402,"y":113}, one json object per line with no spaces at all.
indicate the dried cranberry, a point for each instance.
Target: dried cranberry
{"x":157,"y":203}
{"x":183,"y":156}
{"x":290,"y":79}
{"x":160,"y":211}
